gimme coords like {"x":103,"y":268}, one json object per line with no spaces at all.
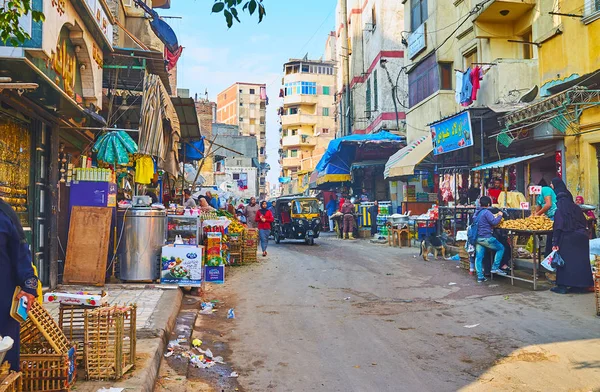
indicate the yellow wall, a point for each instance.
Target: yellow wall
{"x":576,"y":52}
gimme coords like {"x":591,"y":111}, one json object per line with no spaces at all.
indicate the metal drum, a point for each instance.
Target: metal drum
{"x":142,"y":233}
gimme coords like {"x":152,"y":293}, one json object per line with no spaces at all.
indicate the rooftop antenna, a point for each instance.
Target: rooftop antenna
{"x":305,"y":58}
{"x":206,"y":93}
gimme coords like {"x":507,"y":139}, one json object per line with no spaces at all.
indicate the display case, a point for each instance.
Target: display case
{"x":184,"y":226}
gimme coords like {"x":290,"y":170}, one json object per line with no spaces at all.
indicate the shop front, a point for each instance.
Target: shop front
{"x":54,"y":88}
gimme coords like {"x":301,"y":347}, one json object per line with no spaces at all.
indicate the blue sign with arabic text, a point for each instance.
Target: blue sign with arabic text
{"x":452,"y":134}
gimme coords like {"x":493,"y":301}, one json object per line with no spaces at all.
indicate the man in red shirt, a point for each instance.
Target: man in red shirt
{"x":494,"y":193}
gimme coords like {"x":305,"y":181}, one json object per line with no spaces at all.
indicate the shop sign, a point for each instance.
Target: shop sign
{"x":452,"y":134}
{"x":100,"y":18}
{"x":535,"y":190}
{"x":417,"y":41}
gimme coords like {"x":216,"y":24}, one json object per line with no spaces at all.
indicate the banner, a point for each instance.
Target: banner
{"x":452,"y":134}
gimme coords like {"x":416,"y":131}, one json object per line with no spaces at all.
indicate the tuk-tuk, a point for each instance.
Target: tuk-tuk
{"x":296,"y":218}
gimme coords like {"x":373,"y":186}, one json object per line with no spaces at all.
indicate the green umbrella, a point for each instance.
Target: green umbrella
{"x":114,"y":147}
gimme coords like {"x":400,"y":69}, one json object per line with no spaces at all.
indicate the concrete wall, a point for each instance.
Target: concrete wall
{"x":227,"y":178}
{"x":375,"y":33}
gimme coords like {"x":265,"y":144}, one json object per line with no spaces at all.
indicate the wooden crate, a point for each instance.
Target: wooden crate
{"x":47,"y":357}
{"x":109,"y":342}
{"x":10,"y":381}
{"x":235,"y":249}
{"x":71,"y":322}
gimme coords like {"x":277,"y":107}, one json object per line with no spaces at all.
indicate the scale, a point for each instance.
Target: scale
{"x":141,"y":201}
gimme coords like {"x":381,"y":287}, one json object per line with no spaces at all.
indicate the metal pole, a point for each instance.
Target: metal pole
{"x":345,"y":65}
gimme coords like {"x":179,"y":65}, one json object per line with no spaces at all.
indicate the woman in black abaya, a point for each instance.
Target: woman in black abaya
{"x":571,"y":239}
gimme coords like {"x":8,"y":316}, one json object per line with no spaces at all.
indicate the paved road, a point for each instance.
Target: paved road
{"x":354,"y":316}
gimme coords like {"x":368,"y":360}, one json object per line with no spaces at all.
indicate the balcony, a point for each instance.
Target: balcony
{"x":505,"y":82}
{"x":504,"y":12}
{"x":300,"y":99}
{"x":290,"y":162}
{"x":298,"y":140}
{"x":298,"y":119}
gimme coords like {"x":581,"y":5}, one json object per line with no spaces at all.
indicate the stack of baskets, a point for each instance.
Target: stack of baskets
{"x":10,"y":381}
{"x":250,"y":245}
{"x":235,"y":248}
{"x":71,"y":321}
{"x":109,"y":342}
{"x":47,"y":357}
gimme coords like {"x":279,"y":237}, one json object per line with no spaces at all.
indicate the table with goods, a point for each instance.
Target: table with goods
{"x":534,"y":227}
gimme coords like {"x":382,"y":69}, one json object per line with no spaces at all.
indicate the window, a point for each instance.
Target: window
{"x":591,"y":10}
{"x":374,"y":17}
{"x":293,"y":111}
{"x":294,"y":132}
{"x":305,"y":68}
{"x":326,"y":112}
{"x":241,"y":103}
{"x":326,"y":90}
{"x":418,"y":13}
{"x":241,"y":92}
{"x":423,"y":81}
{"x":470,"y":58}
{"x":325,"y":131}
{"x":528,"y":48}
{"x":445,"y":76}
{"x":375,"y":92}
{"x":236,"y":176}
{"x":252,"y":91}
{"x":368,"y":97}
{"x":306,"y":88}
{"x":241,"y":119}
{"x":293,"y":153}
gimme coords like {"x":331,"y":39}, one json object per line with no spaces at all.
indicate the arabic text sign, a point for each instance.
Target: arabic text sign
{"x":452,"y":134}
{"x":535,"y":190}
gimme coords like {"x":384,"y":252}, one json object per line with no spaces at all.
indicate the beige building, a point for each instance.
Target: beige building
{"x":245,"y":105}
{"x":307,"y":119}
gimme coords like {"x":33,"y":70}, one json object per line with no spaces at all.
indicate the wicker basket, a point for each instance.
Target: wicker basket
{"x":109,"y":342}
{"x":47,"y":357}
{"x":10,"y":381}
{"x":71,"y":321}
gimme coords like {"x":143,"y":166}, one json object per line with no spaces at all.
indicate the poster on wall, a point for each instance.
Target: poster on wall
{"x":452,"y":134}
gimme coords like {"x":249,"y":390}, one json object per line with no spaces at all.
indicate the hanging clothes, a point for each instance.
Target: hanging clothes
{"x":263,"y":93}
{"x":475,"y":78}
{"x":458,"y":85}
{"x":467,"y":89}
{"x":144,"y":170}
{"x":171,"y":58}
{"x":281,"y":93}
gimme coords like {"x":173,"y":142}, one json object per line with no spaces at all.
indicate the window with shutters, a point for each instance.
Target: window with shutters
{"x":423,"y":81}
{"x":591,"y":11}
{"x":368,"y":97}
{"x":375,"y":91}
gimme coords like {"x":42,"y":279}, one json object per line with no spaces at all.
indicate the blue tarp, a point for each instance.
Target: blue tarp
{"x":194,"y":151}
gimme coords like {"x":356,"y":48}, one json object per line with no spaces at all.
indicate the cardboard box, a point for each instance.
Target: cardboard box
{"x":77,"y":299}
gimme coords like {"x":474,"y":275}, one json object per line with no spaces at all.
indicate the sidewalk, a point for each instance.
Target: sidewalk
{"x":157,"y":309}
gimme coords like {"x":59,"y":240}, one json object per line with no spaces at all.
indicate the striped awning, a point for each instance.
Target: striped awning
{"x":404,"y":161}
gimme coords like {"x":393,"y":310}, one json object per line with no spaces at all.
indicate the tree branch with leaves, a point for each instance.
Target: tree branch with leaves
{"x":231,"y":9}
{"x":11,"y":32}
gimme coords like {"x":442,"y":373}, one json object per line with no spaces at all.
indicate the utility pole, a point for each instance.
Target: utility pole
{"x":346,"y":69}
{"x":383,"y":63}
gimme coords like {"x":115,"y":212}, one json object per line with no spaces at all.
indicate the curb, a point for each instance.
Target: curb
{"x":145,"y":379}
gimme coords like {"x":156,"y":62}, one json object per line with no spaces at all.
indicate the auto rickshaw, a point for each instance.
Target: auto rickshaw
{"x":296,"y":218}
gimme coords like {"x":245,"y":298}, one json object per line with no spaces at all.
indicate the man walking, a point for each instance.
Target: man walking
{"x":348,"y":211}
{"x":332,"y":208}
{"x":251,"y":210}
{"x":17,"y":270}
{"x":486,"y":221}
{"x":374,"y":212}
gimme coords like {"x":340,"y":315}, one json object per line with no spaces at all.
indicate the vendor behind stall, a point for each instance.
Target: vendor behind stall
{"x":188,"y":201}
{"x":495,"y":191}
{"x":546,"y":205}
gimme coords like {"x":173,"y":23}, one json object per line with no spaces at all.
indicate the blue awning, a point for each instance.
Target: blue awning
{"x":506,"y":162}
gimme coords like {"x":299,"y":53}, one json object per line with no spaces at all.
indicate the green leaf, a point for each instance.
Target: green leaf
{"x":252,"y":6}
{"x":228,"y":18}
{"x":261,"y":13}
{"x":218,"y":7}
{"x":235,"y":15}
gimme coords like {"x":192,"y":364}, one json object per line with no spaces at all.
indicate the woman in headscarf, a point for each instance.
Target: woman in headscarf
{"x":264,"y":217}
{"x":570,"y":239}
{"x":590,"y":216}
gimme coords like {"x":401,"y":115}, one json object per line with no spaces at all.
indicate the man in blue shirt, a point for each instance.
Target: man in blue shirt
{"x":212,"y":200}
{"x":332,"y":208}
{"x":486,"y":221}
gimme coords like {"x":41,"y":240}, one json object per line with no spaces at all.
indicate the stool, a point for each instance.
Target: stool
{"x":396,"y":235}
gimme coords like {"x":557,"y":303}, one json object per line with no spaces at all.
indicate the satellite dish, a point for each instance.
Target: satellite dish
{"x":530,"y":95}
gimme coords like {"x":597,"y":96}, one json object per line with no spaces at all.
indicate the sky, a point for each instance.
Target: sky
{"x":215,"y":57}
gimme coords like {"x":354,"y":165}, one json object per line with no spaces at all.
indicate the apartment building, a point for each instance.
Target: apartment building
{"x":245,"y":105}
{"x":308,"y":121}
{"x":378,"y":88}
